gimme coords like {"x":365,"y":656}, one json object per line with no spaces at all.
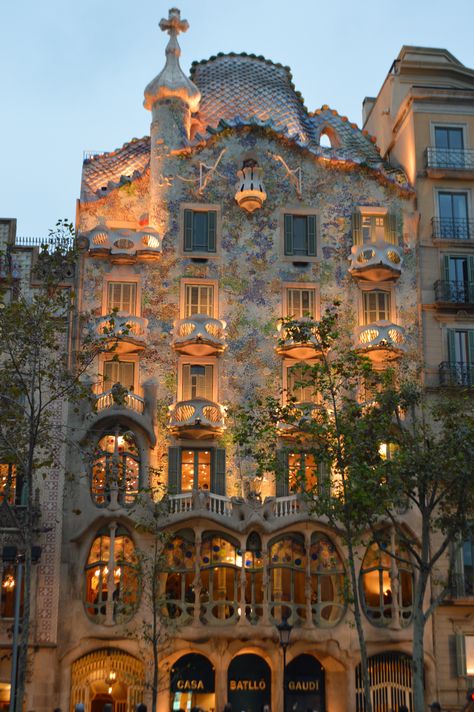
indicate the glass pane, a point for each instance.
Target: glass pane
{"x":300,"y":241}
{"x":457,"y":269}
{"x":200,"y":231}
{"x":204,"y":470}
{"x":376,"y":306}
{"x":461,"y":346}
{"x":122,"y":296}
{"x":300,"y":303}
{"x":187,"y":470}
{"x":119,"y":372}
{"x":460,"y":206}
{"x":441,"y":137}
{"x":199,"y":299}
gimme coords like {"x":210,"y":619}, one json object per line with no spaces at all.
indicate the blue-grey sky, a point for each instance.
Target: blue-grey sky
{"x":73,"y":73}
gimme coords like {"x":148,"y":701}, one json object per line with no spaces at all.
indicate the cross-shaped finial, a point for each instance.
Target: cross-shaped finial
{"x":174,"y":24}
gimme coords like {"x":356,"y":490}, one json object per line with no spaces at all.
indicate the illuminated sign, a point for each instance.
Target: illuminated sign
{"x":303,"y":685}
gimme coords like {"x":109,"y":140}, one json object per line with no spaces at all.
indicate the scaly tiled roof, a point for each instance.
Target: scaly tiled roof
{"x":105,"y":170}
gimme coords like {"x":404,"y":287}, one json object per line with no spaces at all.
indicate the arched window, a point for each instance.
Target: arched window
{"x":253,"y":565}
{"x":287,"y":570}
{"x":328,"y":600}
{"x":221,"y":562}
{"x":112,"y":577}
{"x":387,"y":584}
{"x":325,"y":140}
{"x":178,"y":582}
{"x":116,"y":464}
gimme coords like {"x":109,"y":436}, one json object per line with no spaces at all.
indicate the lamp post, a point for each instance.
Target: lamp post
{"x":284,"y":631}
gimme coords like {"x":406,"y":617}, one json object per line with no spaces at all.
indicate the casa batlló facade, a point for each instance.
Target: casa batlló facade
{"x":241,"y":208}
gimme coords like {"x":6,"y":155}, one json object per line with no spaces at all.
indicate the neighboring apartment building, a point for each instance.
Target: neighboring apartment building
{"x":423,"y":118}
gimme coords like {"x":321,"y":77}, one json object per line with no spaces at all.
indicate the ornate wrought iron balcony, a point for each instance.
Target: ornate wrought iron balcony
{"x":451,"y":159}
{"x":454,"y":292}
{"x":199,"y":335}
{"x":131,"y":331}
{"x":197,"y":418}
{"x":381,"y":341}
{"x":452,"y":229}
{"x":456,"y":374}
{"x":376,"y":261}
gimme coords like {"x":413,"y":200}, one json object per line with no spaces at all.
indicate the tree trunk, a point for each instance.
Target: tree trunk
{"x":360,"y":630}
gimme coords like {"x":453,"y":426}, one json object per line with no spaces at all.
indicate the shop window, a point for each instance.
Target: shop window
{"x":116,"y":464}
{"x":112,"y":577}
{"x":376,"y":305}
{"x":200,"y":227}
{"x":122,"y":372}
{"x":379,"y":572}
{"x":328,"y":595}
{"x":391,"y":682}
{"x":198,"y":299}
{"x":287,"y":573}
{"x":220,"y":564}
{"x":300,"y":235}
{"x":368,"y":226}
{"x":192,"y":469}
{"x":300,"y":302}
{"x":197,"y":381}
{"x":192,"y":683}
{"x":9,"y":484}
{"x":178,"y":583}
{"x":9,"y":579}
{"x":122,"y":297}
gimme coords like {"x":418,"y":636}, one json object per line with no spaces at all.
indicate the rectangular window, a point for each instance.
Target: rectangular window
{"x":368,"y":227}
{"x":461,"y":356}
{"x":198,"y":299}
{"x":122,"y":372}
{"x":453,"y":216}
{"x":376,"y":306}
{"x":300,"y":235}
{"x":449,"y":137}
{"x":195,"y":470}
{"x":198,"y":381}
{"x":298,"y":385}
{"x":200,"y":230}
{"x":302,"y":472}
{"x":300,"y":302}
{"x":122,"y":296}
{"x":467,"y":553}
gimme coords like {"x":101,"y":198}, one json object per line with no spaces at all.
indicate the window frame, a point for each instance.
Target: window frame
{"x":199,"y":208}
{"x":376,"y":287}
{"x":188,"y":282}
{"x":449,"y":125}
{"x":287,"y":395}
{"x":298,"y":211}
{"x":124,"y":276}
{"x":310,"y":286}
{"x":128,"y":358}
{"x":186,"y":360}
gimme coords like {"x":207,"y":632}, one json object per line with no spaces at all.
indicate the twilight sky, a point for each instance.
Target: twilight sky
{"x":73,"y":73}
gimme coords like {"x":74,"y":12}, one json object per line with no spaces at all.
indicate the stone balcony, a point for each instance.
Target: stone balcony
{"x":197,"y":419}
{"x":301,"y":414}
{"x":199,"y":335}
{"x":297,"y":339}
{"x":123,"y":245}
{"x":376,"y":262}
{"x":129,"y":331}
{"x":381,"y":341}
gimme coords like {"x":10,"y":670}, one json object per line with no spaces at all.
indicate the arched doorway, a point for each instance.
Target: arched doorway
{"x":304,"y":684}
{"x":107,"y":676}
{"x":249,"y":683}
{"x":390,"y":682}
{"x":192,"y":683}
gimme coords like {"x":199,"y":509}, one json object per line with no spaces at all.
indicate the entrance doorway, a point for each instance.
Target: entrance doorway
{"x":304,"y":685}
{"x":249,"y":683}
{"x":107,"y":676}
{"x":192,"y":684}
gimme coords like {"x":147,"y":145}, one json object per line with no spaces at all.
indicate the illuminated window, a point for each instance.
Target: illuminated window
{"x":122,"y":372}
{"x":378,"y":573}
{"x":287,"y":569}
{"x":369,"y":227}
{"x":376,"y":306}
{"x":302,"y":472}
{"x":328,"y":600}
{"x":253,"y":565}
{"x":116,"y":463}
{"x":195,"y":470}
{"x":122,"y":296}
{"x":112,"y":577}
{"x":388,"y":450}
{"x":300,"y":303}
{"x":198,"y":381}
{"x":8,"y":591}
{"x":220,"y":565}
{"x":200,"y":230}
{"x":198,"y":299}
{"x":178,"y":583}
{"x":300,"y":235}
{"x":8,"y":483}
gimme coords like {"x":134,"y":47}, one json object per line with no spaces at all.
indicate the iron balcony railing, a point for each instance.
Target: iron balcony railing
{"x":452,"y":228}
{"x":455,"y":159}
{"x":454,"y":292}
{"x":456,"y":373}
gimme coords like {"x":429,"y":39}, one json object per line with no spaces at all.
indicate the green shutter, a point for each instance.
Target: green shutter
{"x":470,"y":277}
{"x":357,"y":228}
{"x":446,"y":268}
{"x":282,"y":475}
{"x":451,"y":348}
{"x":311,"y":227}
{"x":211,"y":230}
{"x":288,"y":234}
{"x":174,"y":479}
{"x":460,"y":655}
{"x":390,"y":225}
{"x":218,"y":472}
{"x":470,"y":337}
{"x":188,"y":230}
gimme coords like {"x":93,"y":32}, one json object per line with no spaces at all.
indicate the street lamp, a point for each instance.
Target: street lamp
{"x":284,"y":631}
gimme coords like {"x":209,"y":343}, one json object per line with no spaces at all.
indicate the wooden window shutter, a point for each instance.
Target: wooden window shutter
{"x":357,"y":228}
{"x":451,"y":347}
{"x":311,"y":227}
{"x":390,"y":225}
{"x":174,"y":475}
{"x":460,"y":655}
{"x":282,"y":475}
{"x":188,"y":230}
{"x":211,"y":230}
{"x":288,"y":234}
{"x":218,"y":472}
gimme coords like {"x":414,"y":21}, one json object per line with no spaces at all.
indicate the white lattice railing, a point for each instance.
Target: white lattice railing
{"x":199,"y":328}
{"x":130,"y":401}
{"x":377,"y":254}
{"x":197,"y":412}
{"x":180,"y":503}
{"x":122,"y":326}
{"x":381,"y":335}
{"x":286,"y":506}
{"x":199,"y":500}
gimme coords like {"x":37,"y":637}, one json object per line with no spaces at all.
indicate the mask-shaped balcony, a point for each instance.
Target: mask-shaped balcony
{"x":124,"y":246}
{"x":130,"y":332}
{"x":199,"y":335}
{"x":376,"y":261}
{"x":298,"y":340}
{"x":197,"y":419}
{"x":381,"y":341}
{"x":301,"y":415}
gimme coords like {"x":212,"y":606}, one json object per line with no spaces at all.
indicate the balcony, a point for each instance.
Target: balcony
{"x":198,"y":419}
{"x":301,"y":415}
{"x":129,"y":331}
{"x":110,"y":399}
{"x":449,"y":162}
{"x":186,"y":502}
{"x":456,"y":375}
{"x":298,"y":339}
{"x":199,"y":335}
{"x":123,"y":246}
{"x":452,"y":229}
{"x":377,"y":261}
{"x":381,"y":341}
{"x":454,"y":294}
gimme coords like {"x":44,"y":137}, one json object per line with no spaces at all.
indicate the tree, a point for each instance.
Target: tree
{"x":37,"y":378}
